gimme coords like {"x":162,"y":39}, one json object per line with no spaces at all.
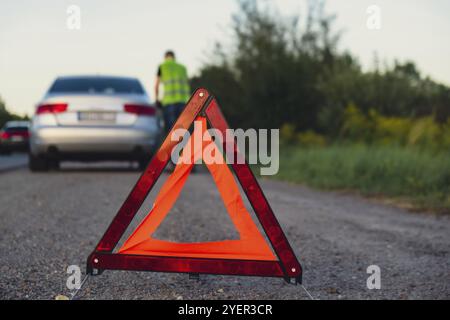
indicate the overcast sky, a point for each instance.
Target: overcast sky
{"x":129,"y":38}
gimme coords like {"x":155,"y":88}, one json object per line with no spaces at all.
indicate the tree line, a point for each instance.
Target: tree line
{"x":282,"y":70}
{"x":6,"y":116}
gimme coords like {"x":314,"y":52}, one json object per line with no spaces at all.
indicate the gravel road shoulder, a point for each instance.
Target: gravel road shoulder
{"x":53,"y":220}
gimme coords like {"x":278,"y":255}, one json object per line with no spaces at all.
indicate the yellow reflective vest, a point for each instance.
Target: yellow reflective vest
{"x":176,"y":84}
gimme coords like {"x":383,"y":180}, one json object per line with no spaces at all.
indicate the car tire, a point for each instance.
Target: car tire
{"x":37,"y":163}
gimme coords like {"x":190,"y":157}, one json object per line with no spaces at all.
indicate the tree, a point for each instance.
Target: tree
{"x":269,"y":77}
{"x":280,"y":71}
{"x":5,"y":115}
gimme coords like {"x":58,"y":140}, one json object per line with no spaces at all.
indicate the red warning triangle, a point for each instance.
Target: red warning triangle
{"x":249,"y":255}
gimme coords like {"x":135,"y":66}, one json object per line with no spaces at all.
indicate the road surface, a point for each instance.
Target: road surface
{"x":12,"y":161}
{"x":52,"y":220}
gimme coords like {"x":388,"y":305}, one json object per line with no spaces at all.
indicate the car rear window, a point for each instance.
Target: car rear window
{"x":96,"y":85}
{"x":16,"y":129}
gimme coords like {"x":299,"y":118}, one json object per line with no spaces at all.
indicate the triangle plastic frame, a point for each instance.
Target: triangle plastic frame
{"x":102,"y":258}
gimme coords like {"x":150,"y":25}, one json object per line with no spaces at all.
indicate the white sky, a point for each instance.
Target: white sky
{"x":130,"y":37}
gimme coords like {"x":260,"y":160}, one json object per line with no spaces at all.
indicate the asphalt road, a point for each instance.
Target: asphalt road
{"x":12,"y":161}
{"x":52,"y":220}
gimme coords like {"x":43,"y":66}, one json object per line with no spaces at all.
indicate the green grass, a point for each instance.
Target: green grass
{"x":421,"y":177}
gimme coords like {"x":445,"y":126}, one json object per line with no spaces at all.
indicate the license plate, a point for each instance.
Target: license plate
{"x":97,"y":116}
{"x":17,"y":138}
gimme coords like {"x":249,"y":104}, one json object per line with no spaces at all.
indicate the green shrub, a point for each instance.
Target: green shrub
{"x":356,"y":125}
{"x":287,"y":133}
{"x":373,"y":128}
{"x":444,"y":137}
{"x":391,"y":130}
{"x":310,"y":139}
{"x":425,"y":133}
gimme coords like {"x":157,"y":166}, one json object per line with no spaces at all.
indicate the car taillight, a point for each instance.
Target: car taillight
{"x":5,"y":135}
{"x":23,"y":134}
{"x":51,"y":108}
{"x":140,"y":109}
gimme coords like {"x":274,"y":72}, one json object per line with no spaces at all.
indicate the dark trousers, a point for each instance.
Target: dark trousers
{"x":171,"y":112}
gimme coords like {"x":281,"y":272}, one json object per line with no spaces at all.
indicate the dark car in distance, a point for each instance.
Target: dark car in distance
{"x":14,"y":136}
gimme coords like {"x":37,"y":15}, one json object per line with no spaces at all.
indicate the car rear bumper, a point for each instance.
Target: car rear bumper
{"x":86,"y":140}
{"x":14,"y":145}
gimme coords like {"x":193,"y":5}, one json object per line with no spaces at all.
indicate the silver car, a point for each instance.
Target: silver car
{"x":89,"y":118}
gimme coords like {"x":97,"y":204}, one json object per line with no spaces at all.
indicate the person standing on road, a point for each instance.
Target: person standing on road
{"x":174,"y":78}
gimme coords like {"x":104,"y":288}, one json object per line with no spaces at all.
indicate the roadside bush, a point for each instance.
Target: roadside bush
{"x":356,"y":125}
{"x":445,"y":135}
{"x":310,"y":139}
{"x":373,"y":128}
{"x":287,"y":133}
{"x":391,"y":130}
{"x":425,"y":133}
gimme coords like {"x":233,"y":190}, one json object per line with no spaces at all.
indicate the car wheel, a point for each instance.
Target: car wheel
{"x":37,"y":163}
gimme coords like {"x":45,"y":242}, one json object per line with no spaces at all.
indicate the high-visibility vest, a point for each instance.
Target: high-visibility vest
{"x":175,"y":80}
